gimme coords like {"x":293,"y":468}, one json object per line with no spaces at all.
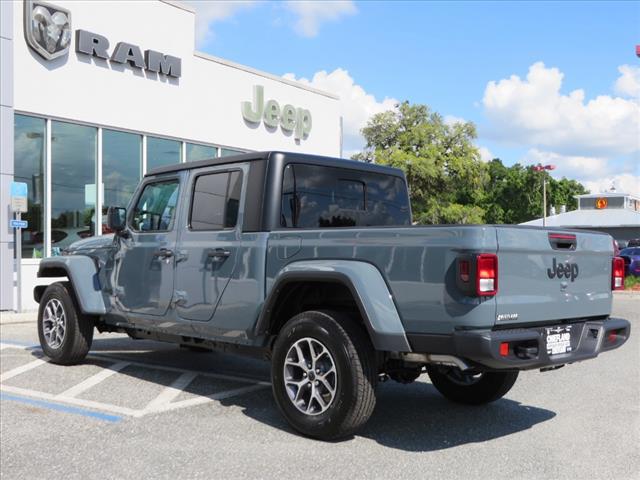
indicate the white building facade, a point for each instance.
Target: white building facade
{"x":94,"y":94}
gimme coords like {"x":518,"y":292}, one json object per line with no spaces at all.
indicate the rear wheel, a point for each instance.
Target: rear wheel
{"x":471,"y":389}
{"x":65,"y":333}
{"x":323,"y":374}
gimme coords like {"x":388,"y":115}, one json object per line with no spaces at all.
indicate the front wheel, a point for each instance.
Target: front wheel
{"x":65,"y":333}
{"x":323,"y":374}
{"x":471,"y":389}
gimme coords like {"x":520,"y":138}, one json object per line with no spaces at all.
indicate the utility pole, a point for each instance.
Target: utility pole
{"x":542,"y":168}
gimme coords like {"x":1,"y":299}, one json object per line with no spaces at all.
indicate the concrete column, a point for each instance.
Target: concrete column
{"x":6,"y":154}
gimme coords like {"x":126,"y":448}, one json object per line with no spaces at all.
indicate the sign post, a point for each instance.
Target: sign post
{"x":19,"y":195}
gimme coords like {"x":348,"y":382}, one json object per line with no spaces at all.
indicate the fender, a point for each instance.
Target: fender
{"x":368,"y":288}
{"x":82,"y":273}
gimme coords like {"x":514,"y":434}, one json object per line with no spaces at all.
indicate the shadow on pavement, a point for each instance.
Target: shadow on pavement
{"x":414,"y":418}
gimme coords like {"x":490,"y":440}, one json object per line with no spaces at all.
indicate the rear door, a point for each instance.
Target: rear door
{"x":546,"y":275}
{"x":207,"y":252}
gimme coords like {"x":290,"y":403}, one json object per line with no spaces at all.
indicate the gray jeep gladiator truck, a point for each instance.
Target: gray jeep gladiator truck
{"x":313,"y":264}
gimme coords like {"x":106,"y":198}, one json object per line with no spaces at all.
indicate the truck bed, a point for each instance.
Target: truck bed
{"x":419,"y":265}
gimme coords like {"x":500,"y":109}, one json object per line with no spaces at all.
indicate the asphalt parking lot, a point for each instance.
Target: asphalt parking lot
{"x":150,"y":410}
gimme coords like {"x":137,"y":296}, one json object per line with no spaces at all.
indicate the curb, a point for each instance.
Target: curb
{"x":627,"y":293}
{"x":7,"y":318}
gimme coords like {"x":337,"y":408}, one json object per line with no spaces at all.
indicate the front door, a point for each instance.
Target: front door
{"x":208,"y":247}
{"x":145,"y":261}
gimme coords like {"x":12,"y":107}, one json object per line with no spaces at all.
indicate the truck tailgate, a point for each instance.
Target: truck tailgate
{"x":544,"y":275}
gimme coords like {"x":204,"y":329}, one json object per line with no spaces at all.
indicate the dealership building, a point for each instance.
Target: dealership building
{"x":95,"y":94}
{"x":615,"y":213}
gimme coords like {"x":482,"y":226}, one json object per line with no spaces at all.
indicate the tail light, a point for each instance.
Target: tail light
{"x":617,"y":274}
{"x":477,"y":275}
{"x":487,"y":274}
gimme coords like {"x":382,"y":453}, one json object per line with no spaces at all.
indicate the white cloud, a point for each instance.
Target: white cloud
{"x":534,"y":112}
{"x":624,"y":182}
{"x":451,"y":120}
{"x":356,"y":104}
{"x":311,"y":14}
{"x":628,"y":84}
{"x":209,"y":12}
{"x":485,"y":154}
{"x":595,"y":173}
{"x":570,"y":166}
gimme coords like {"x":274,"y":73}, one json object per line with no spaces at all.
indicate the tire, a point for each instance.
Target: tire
{"x":465,"y":389}
{"x":70,"y":344}
{"x":347,"y":347}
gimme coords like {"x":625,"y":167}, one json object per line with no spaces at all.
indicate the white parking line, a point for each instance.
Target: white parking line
{"x":107,"y":407}
{"x":200,"y":400}
{"x":93,"y":380}
{"x":170,"y":392}
{"x":162,"y":403}
{"x":21,"y":369}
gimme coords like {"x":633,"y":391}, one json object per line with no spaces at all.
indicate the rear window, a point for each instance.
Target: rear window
{"x":321,"y":197}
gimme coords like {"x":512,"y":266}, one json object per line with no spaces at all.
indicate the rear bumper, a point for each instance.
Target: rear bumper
{"x":527,"y":346}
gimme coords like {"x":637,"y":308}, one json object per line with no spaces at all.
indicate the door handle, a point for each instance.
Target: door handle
{"x":218,"y":253}
{"x":163,"y":253}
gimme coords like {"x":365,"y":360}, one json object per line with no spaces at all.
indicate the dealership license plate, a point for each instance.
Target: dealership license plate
{"x":558,"y":340}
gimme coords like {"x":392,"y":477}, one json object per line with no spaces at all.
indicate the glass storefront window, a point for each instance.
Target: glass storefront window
{"x":161,"y":151}
{"x":73,"y":183}
{"x":197,"y":152}
{"x":226,"y":152}
{"x":121,"y":169}
{"x":28,"y":167}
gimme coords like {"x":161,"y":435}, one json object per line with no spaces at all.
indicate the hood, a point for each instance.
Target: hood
{"x":91,"y":243}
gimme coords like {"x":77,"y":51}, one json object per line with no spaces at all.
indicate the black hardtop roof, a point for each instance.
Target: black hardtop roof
{"x":287,"y":157}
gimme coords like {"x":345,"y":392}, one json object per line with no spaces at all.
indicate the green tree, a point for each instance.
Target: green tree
{"x":445,"y":176}
{"x":514,"y":194}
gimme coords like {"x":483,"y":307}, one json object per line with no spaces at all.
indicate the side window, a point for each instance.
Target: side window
{"x":216,"y":199}
{"x":321,"y":197}
{"x":156,"y":207}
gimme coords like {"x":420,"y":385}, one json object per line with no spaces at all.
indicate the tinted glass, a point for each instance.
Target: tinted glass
{"x":216,"y":198}
{"x":156,"y":207}
{"x":197,"y":152}
{"x":73,"y":184}
{"x":226,"y":152}
{"x":28,"y":167}
{"x":315,"y":196}
{"x":121,"y":167}
{"x":161,"y":151}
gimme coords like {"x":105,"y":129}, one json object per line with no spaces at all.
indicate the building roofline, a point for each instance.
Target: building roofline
{"x":180,"y":5}
{"x":270,"y":76}
{"x":607,"y":194}
{"x":228,"y":63}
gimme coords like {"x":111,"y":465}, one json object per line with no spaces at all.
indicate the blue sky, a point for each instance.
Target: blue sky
{"x":446,"y":54}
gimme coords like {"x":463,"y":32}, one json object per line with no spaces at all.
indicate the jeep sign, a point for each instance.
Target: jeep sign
{"x":290,"y":118}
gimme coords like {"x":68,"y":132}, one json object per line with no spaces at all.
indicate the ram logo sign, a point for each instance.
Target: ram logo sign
{"x":47,"y":29}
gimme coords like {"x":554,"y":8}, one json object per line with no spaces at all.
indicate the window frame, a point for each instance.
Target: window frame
{"x":194,"y":180}
{"x":137,"y":196}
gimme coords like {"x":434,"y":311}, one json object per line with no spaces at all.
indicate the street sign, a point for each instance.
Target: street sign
{"x":19,"y":195}
{"x":18,"y":223}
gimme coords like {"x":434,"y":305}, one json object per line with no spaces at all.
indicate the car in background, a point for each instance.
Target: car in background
{"x":631,"y":257}
{"x":634,"y":242}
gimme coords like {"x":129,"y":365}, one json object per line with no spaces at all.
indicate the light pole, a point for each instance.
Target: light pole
{"x":542,"y":168}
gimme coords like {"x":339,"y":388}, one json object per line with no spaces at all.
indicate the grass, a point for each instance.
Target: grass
{"x":631,"y":282}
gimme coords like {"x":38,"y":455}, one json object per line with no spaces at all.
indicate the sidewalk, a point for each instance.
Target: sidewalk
{"x":8,"y":317}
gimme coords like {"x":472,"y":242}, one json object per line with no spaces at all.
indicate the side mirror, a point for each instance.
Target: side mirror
{"x":116,"y":219}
